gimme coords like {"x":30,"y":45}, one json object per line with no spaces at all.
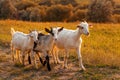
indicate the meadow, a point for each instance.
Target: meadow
{"x":100,"y":52}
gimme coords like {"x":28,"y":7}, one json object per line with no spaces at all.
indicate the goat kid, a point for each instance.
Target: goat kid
{"x":45,"y":44}
{"x":23,"y":42}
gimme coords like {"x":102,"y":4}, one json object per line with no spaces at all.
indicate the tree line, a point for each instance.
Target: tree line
{"x":60,"y":10}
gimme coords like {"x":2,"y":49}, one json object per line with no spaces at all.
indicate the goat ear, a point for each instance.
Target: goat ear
{"x":47,"y":30}
{"x":30,"y":35}
{"x":60,"y":29}
{"x":78,"y":26}
{"x":84,"y":20}
{"x":51,"y":29}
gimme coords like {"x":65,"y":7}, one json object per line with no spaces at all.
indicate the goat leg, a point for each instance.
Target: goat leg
{"x":44,"y":63}
{"x":41,"y":61}
{"x":29,"y":59}
{"x":48,"y":63}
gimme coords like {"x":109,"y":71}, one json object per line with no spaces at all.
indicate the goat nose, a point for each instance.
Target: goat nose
{"x":36,"y":41}
{"x":88,"y":33}
{"x":55,"y":39}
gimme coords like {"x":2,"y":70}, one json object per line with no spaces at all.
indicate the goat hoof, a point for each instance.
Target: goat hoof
{"x":44,"y":63}
{"x":59,"y":62}
{"x":23,"y":65}
{"x":36,"y":67}
{"x":30,"y":63}
{"x":20,"y":62}
{"x":82,"y":70}
{"x":55,"y":62}
{"x":49,"y":69}
{"x":65,"y":67}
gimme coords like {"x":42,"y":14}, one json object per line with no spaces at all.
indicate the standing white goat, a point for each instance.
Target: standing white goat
{"x":71,"y":39}
{"x":23,"y":42}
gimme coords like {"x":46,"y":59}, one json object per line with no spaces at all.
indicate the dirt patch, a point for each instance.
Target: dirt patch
{"x":8,"y":71}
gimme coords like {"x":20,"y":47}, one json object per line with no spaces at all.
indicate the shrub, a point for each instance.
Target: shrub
{"x":7,"y":10}
{"x":46,"y":2}
{"x":117,"y":11}
{"x":37,"y":13}
{"x":24,"y":15}
{"x":117,"y":6}
{"x":24,"y":4}
{"x":81,"y":6}
{"x":34,"y":14}
{"x":66,"y":2}
{"x":116,"y":18}
{"x":100,"y":11}
{"x":43,"y":13}
{"x":59,"y":13}
{"x":78,"y":15}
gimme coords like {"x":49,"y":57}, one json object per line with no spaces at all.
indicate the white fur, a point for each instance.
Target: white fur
{"x":45,"y":43}
{"x":23,"y":42}
{"x":71,"y":39}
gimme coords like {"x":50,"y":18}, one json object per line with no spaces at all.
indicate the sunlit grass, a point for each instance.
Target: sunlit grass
{"x":102,"y":47}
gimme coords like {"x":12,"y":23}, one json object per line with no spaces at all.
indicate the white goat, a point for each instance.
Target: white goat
{"x":23,"y":42}
{"x":45,"y":44}
{"x":71,"y":39}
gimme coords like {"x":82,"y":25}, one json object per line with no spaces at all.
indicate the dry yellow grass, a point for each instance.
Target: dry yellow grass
{"x":102,"y":47}
{"x":100,"y":51}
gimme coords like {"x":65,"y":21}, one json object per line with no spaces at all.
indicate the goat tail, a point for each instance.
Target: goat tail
{"x":12,"y":31}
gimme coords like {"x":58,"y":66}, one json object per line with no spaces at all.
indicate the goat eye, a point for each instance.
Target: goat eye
{"x":52,"y":34}
{"x":81,"y":27}
{"x":31,"y":36}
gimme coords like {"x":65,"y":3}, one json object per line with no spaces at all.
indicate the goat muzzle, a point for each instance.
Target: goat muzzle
{"x":88,"y":34}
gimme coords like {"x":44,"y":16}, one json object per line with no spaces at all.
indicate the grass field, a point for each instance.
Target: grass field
{"x":100,"y":52}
